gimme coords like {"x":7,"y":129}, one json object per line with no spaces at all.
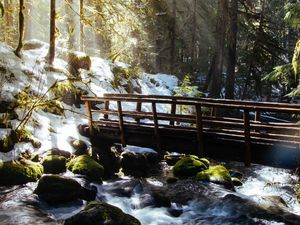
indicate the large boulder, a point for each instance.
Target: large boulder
{"x":110,"y":159}
{"x":59,"y":152}
{"x":216,"y":174}
{"x":79,"y":146}
{"x":100,"y":213}
{"x":134,"y":164}
{"x":58,"y":189}
{"x":188,"y":166}
{"x":86,"y":166}
{"x":19,"y":172}
{"x":139,"y":162}
{"x":54,"y":164}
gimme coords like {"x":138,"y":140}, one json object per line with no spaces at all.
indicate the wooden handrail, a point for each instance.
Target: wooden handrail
{"x":227,"y":101}
{"x":239,"y":105}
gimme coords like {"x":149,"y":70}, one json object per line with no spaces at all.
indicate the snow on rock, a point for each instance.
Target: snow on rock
{"x":51,"y":130}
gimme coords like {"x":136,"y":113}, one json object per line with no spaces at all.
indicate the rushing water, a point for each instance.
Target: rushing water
{"x":266,"y":197}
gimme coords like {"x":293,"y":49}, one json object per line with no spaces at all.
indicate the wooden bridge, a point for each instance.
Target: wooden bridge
{"x":236,"y":130}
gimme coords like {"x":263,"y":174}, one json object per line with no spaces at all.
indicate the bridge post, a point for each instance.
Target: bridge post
{"x":138,"y":109}
{"x":199,"y":125}
{"x":106,"y":105}
{"x":156,"y":128}
{"x":247,"y":138}
{"x":121,"y":124}
{"x":90,"y":117}
{"x":173,"y":111}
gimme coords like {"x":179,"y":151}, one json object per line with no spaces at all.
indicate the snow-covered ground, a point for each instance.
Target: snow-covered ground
{"x":52,"y":130}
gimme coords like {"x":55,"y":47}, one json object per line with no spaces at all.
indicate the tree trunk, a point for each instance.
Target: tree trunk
{"x":194,"y":33}
{"x":81,"y":26}
{"x":51,"y":53}
{"x":232,"y":38}
{"x":70,"y":24}
{"x":9,"y":31}
{"x":217,"y":69}
{"x":254,"y":52}
{"x":173,"y":38}
{"x":21,"y":28}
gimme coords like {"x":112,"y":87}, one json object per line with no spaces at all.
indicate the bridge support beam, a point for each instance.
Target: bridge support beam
{"x":247,"y":138}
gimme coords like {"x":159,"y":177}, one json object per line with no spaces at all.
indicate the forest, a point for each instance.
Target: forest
{"x":149,"y":112}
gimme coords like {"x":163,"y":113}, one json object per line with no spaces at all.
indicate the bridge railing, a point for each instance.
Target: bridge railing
{"x":211,"y":116}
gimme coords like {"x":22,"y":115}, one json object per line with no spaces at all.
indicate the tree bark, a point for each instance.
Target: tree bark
{"x":51,"y":53}
{"x":217,"y":63}
{"x":21,"y":28}
{"x":173,"y":37}
{"x":232,"y":38}
{"x":81,"y":26}
{"x":253,"y":55}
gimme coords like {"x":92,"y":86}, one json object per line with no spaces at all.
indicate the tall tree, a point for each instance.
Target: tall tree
{"x":21,"y":28}
{"x":253,"y":56}
{"x":81,"y":25}
{"x":51,"y":53}
{"x":173,"y":37}
{"x":232,"y":39}
{"x":218,"y":57}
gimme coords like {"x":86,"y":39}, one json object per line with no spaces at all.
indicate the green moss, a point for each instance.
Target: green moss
{"x":205,"y":161}
{"x":188,"y":166}
{"x":217,"y":174}
{"x":56,"y":189}
{"x":236,"y":181}
{"x":203,"y":176}
{"x":124,"y":74}
{"x":54,"y":164}
{"x":102,"y":213}
{"x":87,"y":166}
{"x":19,"y":172}
{"x":54,"y":107}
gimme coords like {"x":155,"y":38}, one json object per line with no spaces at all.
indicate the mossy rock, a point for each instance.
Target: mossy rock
{"x":188,"y":166}
{"x":8,"y":141}
{"x":80,"y":147}
{"x":54,"y":107}
{"x":216,"y":174}
{"x":54,"y":164}
{"x":86,"y":166}
{"x":57,"y":189}
{"x":99,"y":213}
{"x":19,"y":172}
{"x":236,"y":181}
{"x":205,"y":161}
{"x":59,"y":152}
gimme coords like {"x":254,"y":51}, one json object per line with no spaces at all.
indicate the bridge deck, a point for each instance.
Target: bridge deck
{"x":194,"y":125}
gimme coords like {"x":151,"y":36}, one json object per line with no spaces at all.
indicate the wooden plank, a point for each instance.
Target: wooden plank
{"x":90,"y":117}
{"x":106,"y":106}
{"x":173,"y":110}
{"x":121,"y":124}
{"x":247,"y":138}
{"x":199,"y":126}
{"x":156,"y":128}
